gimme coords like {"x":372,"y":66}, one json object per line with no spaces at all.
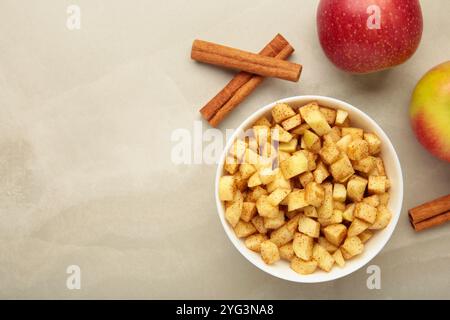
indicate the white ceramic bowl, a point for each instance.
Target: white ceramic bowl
{"x":359,"y":119}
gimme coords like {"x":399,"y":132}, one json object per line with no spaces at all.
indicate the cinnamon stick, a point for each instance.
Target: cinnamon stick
{"x":430,"y":214}
{"x":430,"y":209}
{"x":220,"y":99}
{"x":245,"y":90}
{"x":228,"y":57}
{"x":432,"y":222}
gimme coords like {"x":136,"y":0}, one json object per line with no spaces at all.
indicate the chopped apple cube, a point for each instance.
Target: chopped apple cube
{"x":356,"y":187}
{"x":342,"y":169}
{"x":324,"y":259}
{"x":321,"y":173}
{"x":339,"y":192}
{"x":341,"y":117}
{"x":292,"y":122}
{"x":296,"y":200}
{"x":282,"y":112}
{"x":290,"y":146}
{"x":294,"y":166}
{"x":377,"y":184}
{"x":374,"y":143}
{"x":226,"y":188}
{"x":356,"y":133}
{"x":279,"y":134}
{"x":335,"y":233}
{"x":358,"y":149}
{"x":329,"y":114}
{"x":365,"y":212}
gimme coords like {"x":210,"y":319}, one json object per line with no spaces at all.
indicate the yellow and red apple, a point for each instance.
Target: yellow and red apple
{"x":430,"y":111}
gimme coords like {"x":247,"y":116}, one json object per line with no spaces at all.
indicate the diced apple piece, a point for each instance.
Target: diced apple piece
{"x":253,"y":242}
{"x":329,"y":153}
{"x":353,"y":246}
{"x":321,"y":173}
{"x":244,"y":229}
{"x":314,"y":194}
{"x":374,"y":143}
{"x":335,"y":233}
{"x":306,"y":178}
{"x":254,"y":194}
{"x":338,"y":258}
{"x":339,"y":192}
{"x":292,"y":122}
{"x":329,"y":114}
{"x":294,"y":166}
{"x":275,"y":222}
{"x":333,"y":136}
{"x":373,"y":200}
{"x":357,"y":227}
{"x":267,"y":175}
{"x":303,"y":246}
{"x":296,"y":200}
{"x":335,"y":218}
{"x":341,"y":117}
{"x":338,"y":205}
{"x":248,"y":211}
{"x":356,"y":187}
{"x":279,"y":134}
{"x":327,"y":245}
{"x":365,"y":212}
{"x":358,"y":149}
{"x":227,"y":188}
{"x":311,"y":139}
{"x":282,"y":235}
{"x":231,"y":165}
{"x":279,"y":182}
{"x":310,"y":212}
{"x":300,"y":130}
{"x":281,"y":112}
{"x":278,"y":195}
{"x":246,"y":170}
{"x":258,"y":222}
{"x":312,"y":157}
{"x":384,"y":198}
{"x":287,"y":252}
{"x":303,"y":267}
{"x":356,"y":133}
{"x":347,"y":215}
{"x":234,"y":210}
{"x":315,"y":119}
{"x":383,"y":218}
{"x":238,"y":149}
{"x":343,"y":143}
{"x":290,"y":146}
{"x":263,"y":121}
{"x":365,"y":165}
{"x":265,"y":208}
{"x":269,"y":252}
{"x":342,"y":169}
{"x":365,"y":236}
{"x":324,"y":259}
{"x":254,"y":180}
{"x":377,"y":184}
{"x":326,"y":209}
{"x":309,"y":226}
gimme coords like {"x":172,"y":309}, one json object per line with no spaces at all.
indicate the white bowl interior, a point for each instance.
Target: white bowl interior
{"x":392,"y":165}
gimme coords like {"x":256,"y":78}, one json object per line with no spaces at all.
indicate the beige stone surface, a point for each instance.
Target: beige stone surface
{"x":86,"y":177}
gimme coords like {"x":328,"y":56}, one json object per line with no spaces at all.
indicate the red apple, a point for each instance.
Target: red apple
{"x":362,"y":36}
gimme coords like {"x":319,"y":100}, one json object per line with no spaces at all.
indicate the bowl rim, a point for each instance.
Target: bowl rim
{"x":238,"y":242}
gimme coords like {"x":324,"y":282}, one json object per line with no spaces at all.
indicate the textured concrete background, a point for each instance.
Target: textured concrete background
{"x":86,"y":178}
